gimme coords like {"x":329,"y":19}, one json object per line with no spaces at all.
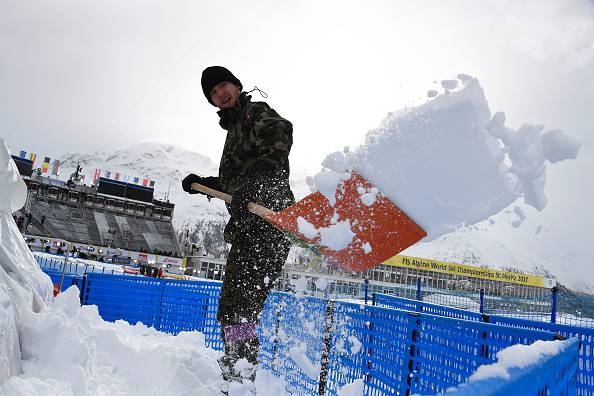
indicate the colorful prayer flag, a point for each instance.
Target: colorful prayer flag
{"x":23,"y":154}
{"x":32,"y":157}
{"x":45,"y":165}
{"x":152,"y":184}
{"x":55,"y":168}
{"x":145,"y":182}
{"x":136,"y":180}
{"x":96,"y":175}
{"x":117,"y":176}
{"x":126,"y":178}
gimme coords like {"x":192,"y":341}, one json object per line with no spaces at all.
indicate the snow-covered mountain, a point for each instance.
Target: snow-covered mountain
{"x":168,"y":165}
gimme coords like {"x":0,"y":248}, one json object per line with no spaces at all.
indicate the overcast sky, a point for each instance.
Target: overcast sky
{"x":81,"y":75}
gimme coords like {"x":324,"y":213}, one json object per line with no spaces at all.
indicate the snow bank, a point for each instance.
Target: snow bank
{"x":23,"y":287}
{"x":448,"y":162}
{"x":71,"y":348}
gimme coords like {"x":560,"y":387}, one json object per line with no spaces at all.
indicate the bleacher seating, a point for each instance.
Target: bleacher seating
{"x":94,"y":226}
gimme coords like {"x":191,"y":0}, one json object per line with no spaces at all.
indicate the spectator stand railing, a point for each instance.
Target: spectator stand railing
{"x":72,"y":268}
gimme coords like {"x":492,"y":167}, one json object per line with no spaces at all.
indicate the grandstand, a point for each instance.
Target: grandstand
{"x":80,"y":213}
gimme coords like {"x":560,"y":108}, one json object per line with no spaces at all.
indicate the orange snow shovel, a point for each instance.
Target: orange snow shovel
{"x":379,"y":231}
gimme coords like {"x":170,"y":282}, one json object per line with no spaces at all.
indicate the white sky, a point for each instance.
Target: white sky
{"x":76,"y":76}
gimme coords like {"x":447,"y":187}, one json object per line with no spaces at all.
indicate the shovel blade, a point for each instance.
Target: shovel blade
{"x":381,"y":230}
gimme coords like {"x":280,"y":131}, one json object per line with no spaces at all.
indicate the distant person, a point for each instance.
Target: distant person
{"x":254,"y":167}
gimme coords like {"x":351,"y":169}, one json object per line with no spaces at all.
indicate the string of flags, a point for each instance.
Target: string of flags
{"x":121,"y":177}
{"x":45,"y":166}
{"x":53,"y":166}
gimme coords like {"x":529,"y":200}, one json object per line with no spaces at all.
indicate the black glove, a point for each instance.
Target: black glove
{"x":246,"y":193}
{"x":210,"y":182}
{"x":254,"y":180}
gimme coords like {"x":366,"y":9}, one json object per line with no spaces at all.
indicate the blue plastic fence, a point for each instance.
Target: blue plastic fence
{"x":168,"y":305}
{"x":317,"y":345}
{"x":405,"y":353}
{"x":549,"y":376}
{"x":585,"y":372}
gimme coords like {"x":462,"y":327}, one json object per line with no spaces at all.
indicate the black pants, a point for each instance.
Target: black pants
{"x":254,"y":264}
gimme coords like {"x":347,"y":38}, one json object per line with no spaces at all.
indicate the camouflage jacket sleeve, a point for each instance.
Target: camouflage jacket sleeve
{"x":273,"y":136}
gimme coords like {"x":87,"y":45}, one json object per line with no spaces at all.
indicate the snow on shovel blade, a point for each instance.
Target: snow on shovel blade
{"x":379,"y":231}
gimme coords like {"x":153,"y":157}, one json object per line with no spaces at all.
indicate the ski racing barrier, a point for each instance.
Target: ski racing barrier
{"x":318,"y":345}
{"x":546,"y":305}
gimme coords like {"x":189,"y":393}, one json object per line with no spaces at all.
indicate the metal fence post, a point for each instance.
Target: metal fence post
{"x":82,"y":288}
{"x":554,"y":291}
{"x":482,"y":301}
{"x":419,"y":289}
{"x":366,"y":290}
{"x":326,"y":352}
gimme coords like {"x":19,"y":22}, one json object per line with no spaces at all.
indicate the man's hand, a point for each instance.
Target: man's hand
{"x":246,"y":193}
{"x":210,"y":182}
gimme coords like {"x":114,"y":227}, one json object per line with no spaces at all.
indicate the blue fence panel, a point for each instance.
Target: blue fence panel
{"x":69,"y":279}
{"x":369,"y":343}
{"x":191,"y":305}
{"x":585,"y":374}
{"x":573,"y":309}
{"x":553,"y":376}
{"x":403,"y":352}
{"x":131,"y":298}
{"x":384,"y":300}
{"x":292,"y":340}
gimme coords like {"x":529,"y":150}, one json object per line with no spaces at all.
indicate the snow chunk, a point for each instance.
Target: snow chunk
{"x":432,"y":93}
{"x":558,"y":146}
{"x":297,"y":353}
{"x":337,"y":236}
{"x":518,"y":356}
{"x":521,"y":217}
{"x":354,"y":388}
{"x":367,"y":247}
{"x":327,"y":181}
{"x":449,"y":84}
{"x":355,"y":344}
{"x":368,"y":197}
{"x":448,"y":162}
{"x":306,"y":228}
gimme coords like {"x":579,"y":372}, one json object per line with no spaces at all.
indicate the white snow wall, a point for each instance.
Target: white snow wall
{"x":23,"y":286}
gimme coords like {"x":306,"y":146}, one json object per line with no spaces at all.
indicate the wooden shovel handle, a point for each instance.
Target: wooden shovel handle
{"x":252,"y":207}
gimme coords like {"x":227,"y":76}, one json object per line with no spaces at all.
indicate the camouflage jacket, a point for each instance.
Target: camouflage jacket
{"x":256,"y":134}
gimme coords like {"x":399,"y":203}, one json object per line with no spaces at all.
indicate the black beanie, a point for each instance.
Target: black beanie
{"x":213,"y":76}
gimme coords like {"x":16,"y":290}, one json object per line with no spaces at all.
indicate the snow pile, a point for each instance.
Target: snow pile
{"x":23,"y":287}
{"x":71,"y":349}
{"x":448,"y":162}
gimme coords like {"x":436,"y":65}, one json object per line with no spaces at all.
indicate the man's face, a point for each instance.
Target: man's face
{"x":225,"y":94}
